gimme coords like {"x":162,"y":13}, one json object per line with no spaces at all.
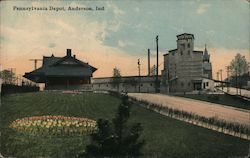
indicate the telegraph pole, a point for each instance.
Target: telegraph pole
{"x":35,"y":62}
{"x":221,"y":79}
{"x":139,"y":73}
{"x":236,"y":81}
{"x":157,"y":66}
{"x":148,"y":62}
{"x":228,"y":69}
{"x":217,"y":75}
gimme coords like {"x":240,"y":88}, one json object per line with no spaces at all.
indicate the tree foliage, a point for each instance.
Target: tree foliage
{"x":116,"y":72}
{"x":116,"y":80}
{"x":116,"y":138}
{"x":153,"y":70}
{"x":7,"y":76}
{"x":239,"y":65}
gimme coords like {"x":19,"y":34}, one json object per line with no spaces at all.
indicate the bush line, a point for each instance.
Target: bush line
{"x":235,"y":128}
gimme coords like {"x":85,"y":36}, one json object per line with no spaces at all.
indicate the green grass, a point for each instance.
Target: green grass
{"x":223,"y":99}
{"x":165,"y":137}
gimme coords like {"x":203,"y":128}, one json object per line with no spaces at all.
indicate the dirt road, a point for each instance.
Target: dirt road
{"x":201,"y":108}
{"x":233,"y":91}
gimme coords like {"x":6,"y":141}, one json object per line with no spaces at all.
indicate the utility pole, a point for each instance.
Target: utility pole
{"x":236,"y":79}
{"x":228,"y":69}
{"x":217,"y":75}
{"x":157,"y":66}
{"x":221,"y":79}
{"x":148,"y":62}
{"x":35,"y":62}
{"x":139,"y":71}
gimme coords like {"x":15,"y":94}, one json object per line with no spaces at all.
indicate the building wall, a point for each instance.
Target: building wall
{"x":144,"y":84}
{"x":183,"y":67}
{"x":61,"y":83}
{"x":208,"y":84}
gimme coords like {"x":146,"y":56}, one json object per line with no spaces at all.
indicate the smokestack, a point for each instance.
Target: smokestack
{"x":148,"y":62}
{"x":69,"y":52}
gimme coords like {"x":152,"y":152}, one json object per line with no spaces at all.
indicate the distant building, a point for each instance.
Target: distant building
{"x":207,"y":66}
{"x":186,"y":69}
{"x":144,"y":84}
{"x":62,"y":72}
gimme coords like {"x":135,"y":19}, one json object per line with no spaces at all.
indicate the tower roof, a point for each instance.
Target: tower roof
{"x":185,"y":35}
{"x":206,"y":56}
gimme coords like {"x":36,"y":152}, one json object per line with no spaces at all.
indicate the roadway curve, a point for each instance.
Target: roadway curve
{"x":202,"y":108}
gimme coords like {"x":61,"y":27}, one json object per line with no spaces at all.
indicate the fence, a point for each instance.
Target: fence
{"x":18,"y":80}
{"x":17,"y":84}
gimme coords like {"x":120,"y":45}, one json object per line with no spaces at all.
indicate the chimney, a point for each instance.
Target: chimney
{"x":74,"y":56}
{"x":148,"y":62}
{"x":69,"y":52}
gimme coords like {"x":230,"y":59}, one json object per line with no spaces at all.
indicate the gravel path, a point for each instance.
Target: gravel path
{"x":201,"y":108}
{"x":233,"y":91}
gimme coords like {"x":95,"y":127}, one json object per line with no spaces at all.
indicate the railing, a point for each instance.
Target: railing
{"x":19,"y":81}
{"x":17,"y":84}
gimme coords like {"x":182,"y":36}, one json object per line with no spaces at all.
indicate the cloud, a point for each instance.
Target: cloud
{"x":52,"y":45}
{"x":137,"y":9}
{"x":121,"y":43}
{"x":116,"y":10}
{"x":55,"y":36}
{"x":32,"y":35}
{"x":202,"y":8}
{"x":124,"y":44}
{"x":64,"y":26}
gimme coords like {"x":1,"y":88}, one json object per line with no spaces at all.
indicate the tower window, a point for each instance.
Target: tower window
{"x":188,"y":45}
{"x":188,"y":52}
{"x":183,"y":45}
{"x":181,"y":53}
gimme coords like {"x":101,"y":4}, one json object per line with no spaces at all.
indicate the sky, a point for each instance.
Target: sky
{"x":121,"y":33}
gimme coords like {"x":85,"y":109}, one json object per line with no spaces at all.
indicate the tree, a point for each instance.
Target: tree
{"x":238,"y":67}
{"x":117,"y":138}
{"x":7,"y":76}
{"x":153,"y":71}
{"x":116,"y":80}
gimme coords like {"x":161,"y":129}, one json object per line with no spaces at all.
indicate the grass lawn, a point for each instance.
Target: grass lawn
{"x":223,"y":99}
{"x":165,"y":137}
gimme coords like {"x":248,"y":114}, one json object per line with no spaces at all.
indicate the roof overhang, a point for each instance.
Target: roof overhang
{"x":38,"y":78}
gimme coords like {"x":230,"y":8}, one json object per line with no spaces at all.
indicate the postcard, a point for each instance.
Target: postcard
{"x":135,"y":78}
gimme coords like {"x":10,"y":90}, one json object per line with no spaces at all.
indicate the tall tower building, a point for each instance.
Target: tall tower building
{"x":184,"y":67}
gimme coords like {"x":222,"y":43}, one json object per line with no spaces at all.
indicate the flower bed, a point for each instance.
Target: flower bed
{"x":54,"y":125}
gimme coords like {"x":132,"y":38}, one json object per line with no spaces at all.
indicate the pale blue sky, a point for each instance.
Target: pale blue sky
{"x":125,"y":27}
